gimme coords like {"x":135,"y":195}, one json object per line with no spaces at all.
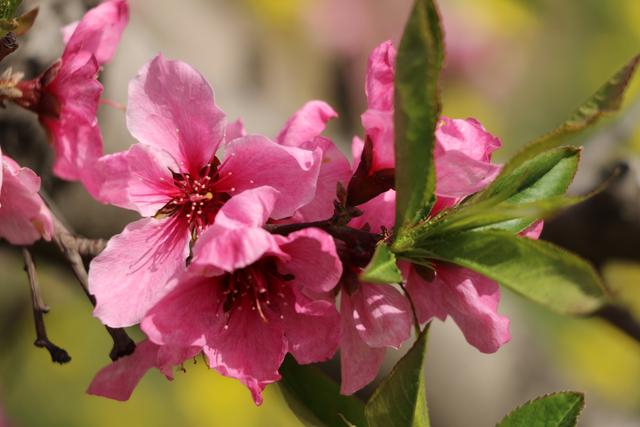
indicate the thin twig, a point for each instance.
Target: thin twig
{"x":58,"y":355}
{"x":123,"y":345}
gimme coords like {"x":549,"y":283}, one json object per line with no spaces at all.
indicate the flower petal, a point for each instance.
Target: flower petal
{"x":534,"y":230}
{"x":312,"y":328}
{"x":249,"y":350}
{"x":314,"y":261}
{"x":74,"y":134}
{"x":220,"y":249}
{"x":381,"y":315}
{"x":469,"y":298}
{"x":118,"y":379}
{"x":134,"y":271}
{"x":380,"y":77}
{"x":24,"y":218}
{"x":458,"y":175}
{"x":467,"y":136}
{"x":359,"y":363}
{"x":234,"y":130}
{"x":185,"y":315}
{"x":377,"y":213}
{"x":306,"y":124}
{"x":99,"y":31}
{"x":335,"y":169}
{"x":172,"y":106}
{"x":139,"y":179}
{"x":251,"y":208}
{"x":255,"y":161}
{"x":378,"y":119}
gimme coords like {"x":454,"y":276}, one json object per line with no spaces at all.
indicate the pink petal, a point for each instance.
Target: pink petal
{"x":139,"y":178}
{"x":118,"y":379}
{"x":99,"y":31}
{"x":24,"y":218}
{"x":381,"y":315}
{"x":534,"y":230}
{"x":378,"y":119}
{"x":74,"y":133}
{"x":172,"y":106}
{"x":359,"y":363}
{"x":379,"y":127}
{"x":380,"y":77}
{"x":378,"y":213}
{"x":220,"y":249}
{"x":357,"y":146}
{"x":255,"y":161}
{"x":312,"y":328}
{"x":469,"y":298}
{"x":335,"y":169}
{"x":458,"y":175}
{"x":314,"y":261}
{"x":467,"y":136}
{"x":249,"y":350}
{"x":134,"y":271}
{"x":234,"y":130}
{"x":251,"y":208}
{"x":185,"y":316}
{"x":306,"y":124}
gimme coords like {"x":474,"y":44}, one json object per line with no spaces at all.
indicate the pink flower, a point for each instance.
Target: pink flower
{"x":173,"y":178}
{"x":24,"y":218}
{"x":67,"y":95}
{"x":377,"y":316}
{"x":249,"y":297}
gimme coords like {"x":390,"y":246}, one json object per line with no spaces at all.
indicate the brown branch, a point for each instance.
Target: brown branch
{"x":8,"y":45}
{"x":58,"y":355}
{"x":70,"y":247}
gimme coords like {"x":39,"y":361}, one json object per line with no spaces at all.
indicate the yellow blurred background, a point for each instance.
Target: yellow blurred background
{"x":519,"y":66}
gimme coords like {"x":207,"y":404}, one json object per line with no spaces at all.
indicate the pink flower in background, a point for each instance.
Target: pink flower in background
{"x":173,"y":178}
{"x":249,"y":297}
{"x":24,"y":218}
{"x":66,"y":96}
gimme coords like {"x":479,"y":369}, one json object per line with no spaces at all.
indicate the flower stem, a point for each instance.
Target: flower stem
{"x":58,"y":355}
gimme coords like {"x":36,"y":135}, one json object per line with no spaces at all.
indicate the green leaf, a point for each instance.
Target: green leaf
{"x":505,"y":216}
{"x":417,"y":109}
{"x":8,"y":8}
{"x":544,"y":175}
{"x":315,"y":398}
{"x":382,"y":268}
{"x":607,"y":99}
{"x":401,"y":399}
{"x":537,"y":270}
{"x":553,"y":410}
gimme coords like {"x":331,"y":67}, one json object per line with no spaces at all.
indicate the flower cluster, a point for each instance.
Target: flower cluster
{"x":248,"y":247}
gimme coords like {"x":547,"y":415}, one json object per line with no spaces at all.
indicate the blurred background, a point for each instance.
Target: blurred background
{"x":518,"y":66}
